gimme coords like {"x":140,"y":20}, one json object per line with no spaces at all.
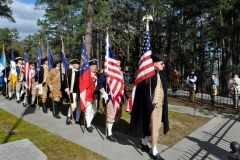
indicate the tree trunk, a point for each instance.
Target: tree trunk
{"x":88,"y":33}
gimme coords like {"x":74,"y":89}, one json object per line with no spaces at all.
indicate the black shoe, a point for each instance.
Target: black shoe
{"x":18,"y":101}
{"x":93,"y":129}
{"x":44,"y":109}
{"x":144,"y":148}
{"x":6,"y":97}
{"x":68,"y":121}
{"x":25,"y":105}
{"x":89,"y":129}
{"x":10,"y":98}
{"x":157,"y":157}
{"x":57,"y":116}
{"x":32,"y":105}
{"x":111,"y":138}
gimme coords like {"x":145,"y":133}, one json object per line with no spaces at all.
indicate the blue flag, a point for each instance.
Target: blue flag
{"x":50,"y":60}
{"x":3,"y":62}
{"x":39,"y":59}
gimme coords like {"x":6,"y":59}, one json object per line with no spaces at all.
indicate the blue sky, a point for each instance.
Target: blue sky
{"x":25,"y":16}
{"x":28,"y":1}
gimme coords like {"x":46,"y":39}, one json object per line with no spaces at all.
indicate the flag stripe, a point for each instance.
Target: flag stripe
{"x":114,"y":78}
{"x":145,"y":69}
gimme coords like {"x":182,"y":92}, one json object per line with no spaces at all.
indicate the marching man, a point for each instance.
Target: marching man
{"x":21,"y":79}
{"x":71,"y":88}
{"x":91,"y":98}
{"x":54,"y":84}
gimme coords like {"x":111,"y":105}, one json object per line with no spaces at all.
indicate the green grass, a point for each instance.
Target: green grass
{"x":55,"y":147}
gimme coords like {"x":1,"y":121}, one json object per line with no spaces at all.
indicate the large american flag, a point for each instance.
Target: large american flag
{"x":26,"y":70}
{"x":145,"y":68}
{"x":85,"y":79}
{"x":114,"y":78}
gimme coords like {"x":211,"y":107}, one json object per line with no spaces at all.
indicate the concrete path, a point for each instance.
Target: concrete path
{"x":210,"y":141}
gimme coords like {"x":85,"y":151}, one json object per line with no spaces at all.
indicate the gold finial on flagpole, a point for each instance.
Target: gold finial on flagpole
{"x":107,"y":30}
{"x":83,"y":37}
{"x":147,"y":18}
{"x":3,"y":47}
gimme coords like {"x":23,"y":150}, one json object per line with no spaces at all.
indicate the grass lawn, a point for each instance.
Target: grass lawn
{"x":55,"y":147}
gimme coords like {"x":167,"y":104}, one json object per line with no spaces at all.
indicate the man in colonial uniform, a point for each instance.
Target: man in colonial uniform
{"x":71,"y":85}
{"x":21,"y":79}
{"x":43,"y":74}
{"x":91,"y":97}
{"x":149,"y":113}
{"x":34,"y":85}
{"x":54,"y":84}
{"x":111,"y":117}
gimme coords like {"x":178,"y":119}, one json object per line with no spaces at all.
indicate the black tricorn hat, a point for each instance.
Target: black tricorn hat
{"x":57,"y":61}
{"x":93,"y":62}
{"x":74,"y":61}
{"x":18,"y":58}
{"x":159,"y":57}
{"x":44,"y":59}
{"x":118,"y":58}
{"x":32,"y":62}
{"x":213,"y":73}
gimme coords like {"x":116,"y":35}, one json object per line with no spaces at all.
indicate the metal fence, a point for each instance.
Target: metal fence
{"x":224,"y":98}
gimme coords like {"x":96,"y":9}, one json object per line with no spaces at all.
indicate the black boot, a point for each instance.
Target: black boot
{"x":56,"y":112}
{"x":68,"y":121}
{"x":44,"y":108}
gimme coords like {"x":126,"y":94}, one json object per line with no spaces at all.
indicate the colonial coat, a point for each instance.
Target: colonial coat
{"x":142,"y":108}
{"x":72,"y":82}
{"x":54,"y":79}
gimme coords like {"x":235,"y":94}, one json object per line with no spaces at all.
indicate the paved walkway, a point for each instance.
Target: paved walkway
{"x":210,"y":141}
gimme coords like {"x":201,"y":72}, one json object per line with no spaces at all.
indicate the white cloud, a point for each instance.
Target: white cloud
{"x":26,"y":18}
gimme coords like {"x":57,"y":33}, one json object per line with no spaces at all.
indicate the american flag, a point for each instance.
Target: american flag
{"x":26,"y":70}
{"x":85,"y":79}
{"x":114,"y":78}
{"x":145,"y":69}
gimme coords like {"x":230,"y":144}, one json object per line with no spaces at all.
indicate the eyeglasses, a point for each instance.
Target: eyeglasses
{"x":162,"y":64}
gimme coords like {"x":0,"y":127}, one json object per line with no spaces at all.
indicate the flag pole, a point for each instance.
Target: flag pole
{"x":38,"y":73}
{"x":51,"y":92}
{"x":106,"y":110}
{"x":66,"y":76}
{"x":84,"y":119}
{"x":148,"y":18}
{"x":5,"y":74}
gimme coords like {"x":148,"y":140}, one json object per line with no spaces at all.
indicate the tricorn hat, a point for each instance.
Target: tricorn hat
{"x":44,"y":59}
{"x":159,"y":57}
{"x":118,"y":58}
{"x":93,"y":62}
{"x":74,"y":61}
{"x":32,"y":62}
{"x":213,"y":73}
{"x":57,"y":61}
{"x":18,"y":58}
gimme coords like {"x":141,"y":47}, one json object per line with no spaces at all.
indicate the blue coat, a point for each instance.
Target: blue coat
{"x":102,"y":83}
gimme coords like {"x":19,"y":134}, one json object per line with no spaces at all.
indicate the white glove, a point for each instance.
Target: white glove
{"x":5,"y":79}
{"x":37,"y":86}
{"x":50,"y":88}
{"x":105,"y":96}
